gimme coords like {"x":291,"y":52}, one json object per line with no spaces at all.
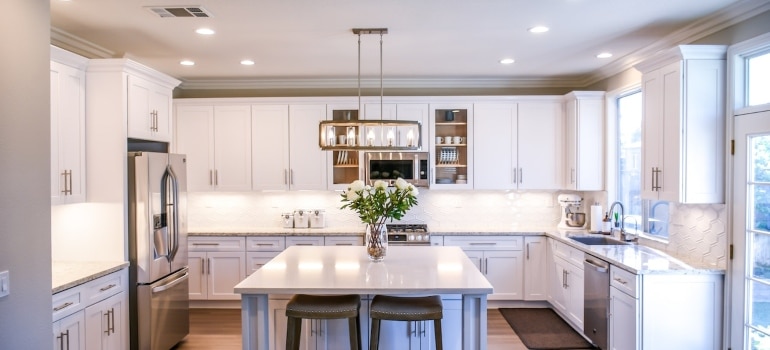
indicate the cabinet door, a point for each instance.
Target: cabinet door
{"x":535,"y":284}
{"x":575,"y":284}
{"x":141,"y":119}
{"x":557,"y":286}
{"x":160,"y":106}
{"x":670,"y":152}
{"x":104,"y":324}
{"x":69,"y":332}
{"x":623,"y":321}
{"x":67,"y":134}
{"x":270,"y":147}
{"x":232,"y":148}
{"x":495,"y":140}
{"x":255,"y":260}
{"x":584,"y":141}
{"x":195,"y":138}
{"x":504,"y":270}
{"x":540,"y":145}
{"x":307,"y":161}
{"x":196,"y":262}
{"x":477,"y":257}
{"x":398,"y":335}
{"x":224,"y":271}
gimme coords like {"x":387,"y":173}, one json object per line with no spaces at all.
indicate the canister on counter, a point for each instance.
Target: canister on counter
{"x":317,"y":218}
{"x":301,"y":218}
{"x":287,"y":219}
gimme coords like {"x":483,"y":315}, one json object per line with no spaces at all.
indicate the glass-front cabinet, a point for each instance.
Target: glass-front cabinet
{"x":451,"y":126}
{"x":346,"y":165}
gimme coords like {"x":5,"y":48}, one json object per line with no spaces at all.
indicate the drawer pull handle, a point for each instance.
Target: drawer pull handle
{"x":305,"y":244}
{"x":63,"y":306}
{"x":620,"y":281}
{"x":343,"y":244}
{"x":205,"y":243}
{"x":264,"y":244}
{"x":107,"y":287}
{"x":483,"y":243}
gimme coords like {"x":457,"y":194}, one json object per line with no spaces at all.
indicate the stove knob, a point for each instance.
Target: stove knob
{"x":419,"y":237}
{"x":411,"y":237}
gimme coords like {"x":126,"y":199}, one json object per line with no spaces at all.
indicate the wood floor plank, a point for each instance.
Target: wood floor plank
{"x":220,"y":329}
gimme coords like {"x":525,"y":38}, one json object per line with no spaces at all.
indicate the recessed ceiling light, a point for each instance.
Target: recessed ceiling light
{"x":538,"y":29}
{"x":507,"y":60}
{"x":187,"y":63}
{"x":247,"y":62}
{"x":205,"y":31}
{"x":604,"y":55}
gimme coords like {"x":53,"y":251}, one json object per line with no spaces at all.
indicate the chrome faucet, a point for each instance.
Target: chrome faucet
{"x":622,"y":225}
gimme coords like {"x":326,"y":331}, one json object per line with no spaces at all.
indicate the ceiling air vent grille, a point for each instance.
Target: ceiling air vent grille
{"x":189,"y":11}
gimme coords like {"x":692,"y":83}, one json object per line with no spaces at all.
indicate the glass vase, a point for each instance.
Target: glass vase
{"x":376,"y":242}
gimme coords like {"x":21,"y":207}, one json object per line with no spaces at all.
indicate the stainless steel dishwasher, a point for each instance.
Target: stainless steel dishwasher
{"x":596,"y":300}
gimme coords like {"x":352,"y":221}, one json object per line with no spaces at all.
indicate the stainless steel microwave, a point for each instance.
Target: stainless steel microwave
{"x":389,"y":166}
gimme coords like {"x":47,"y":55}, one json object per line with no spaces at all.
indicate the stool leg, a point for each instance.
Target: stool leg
{"x":437,"y":332}
{"x":374,"y":341}
{"x":293,"y":330}
{"x":355,"y":333}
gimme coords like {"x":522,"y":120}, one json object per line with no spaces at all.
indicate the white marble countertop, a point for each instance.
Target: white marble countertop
{"x":346,"y":269}
{"x":67,"y":274}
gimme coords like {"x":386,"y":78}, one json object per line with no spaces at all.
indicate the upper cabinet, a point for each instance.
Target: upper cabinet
{"x":518,"y":145}
{"x":149,"y":110}
{"x":683,"y":93}
{"x":584,"y":141}
{"x":451,"y":128}
{"x":217,"y":142}
{"x":68,"y":113}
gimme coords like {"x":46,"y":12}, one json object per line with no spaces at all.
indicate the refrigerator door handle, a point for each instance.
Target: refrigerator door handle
{"x":171,"y":284}
{"x":170,"y":200}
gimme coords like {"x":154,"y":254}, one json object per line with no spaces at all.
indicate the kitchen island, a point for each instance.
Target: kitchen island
{"x":347,"y":270}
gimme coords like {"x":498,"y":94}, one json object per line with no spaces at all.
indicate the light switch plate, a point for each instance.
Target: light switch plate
{"x":5,"y":284}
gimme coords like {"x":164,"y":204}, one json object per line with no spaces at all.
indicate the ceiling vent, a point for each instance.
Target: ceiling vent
{"x":190,"y":11}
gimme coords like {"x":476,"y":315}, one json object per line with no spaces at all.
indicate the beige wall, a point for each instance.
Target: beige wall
{"x":25,"y":202}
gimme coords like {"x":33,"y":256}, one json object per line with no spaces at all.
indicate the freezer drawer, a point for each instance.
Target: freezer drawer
{"x":163,"y":316}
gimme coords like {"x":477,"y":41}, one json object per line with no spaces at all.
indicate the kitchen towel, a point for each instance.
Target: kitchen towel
{"x":596,"y":218}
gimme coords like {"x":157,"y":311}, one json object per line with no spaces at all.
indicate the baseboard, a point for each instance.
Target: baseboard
{"x":215,"y":304}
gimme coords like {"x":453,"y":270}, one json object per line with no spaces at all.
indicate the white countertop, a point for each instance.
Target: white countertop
{"x":67,"y":274}
{"x":347,"y":270}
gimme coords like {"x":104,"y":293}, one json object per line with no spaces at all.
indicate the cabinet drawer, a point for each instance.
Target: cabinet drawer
{"x":305,"y":240}
{"x":216,"y":244}
{"x":105,"y":286}
{"x":485,"y":242}
{"x":624,"y":280}
{"x":572,"y":255}
{"x":344,"y":240}
{"x":256,"y":260}
{"x":265,"y":244}
{"x":67,"y":302}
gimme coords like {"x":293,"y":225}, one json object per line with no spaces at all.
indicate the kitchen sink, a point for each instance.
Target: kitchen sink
{"x":597,"y":240}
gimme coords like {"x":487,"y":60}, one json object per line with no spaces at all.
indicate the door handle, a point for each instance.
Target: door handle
{"x":527,"y":251}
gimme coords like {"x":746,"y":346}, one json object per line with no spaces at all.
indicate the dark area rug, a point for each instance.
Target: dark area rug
{"x":543,"y":329}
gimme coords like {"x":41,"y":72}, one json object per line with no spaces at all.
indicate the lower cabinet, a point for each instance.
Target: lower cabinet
{"x":623,"y":320}
{"x":535,"y":268}
{"x":499,"y":258}
{"x":216,"y":265}
{"x":419,"y":335}
{"x":93,"y":315}
{"x":565,"y":282}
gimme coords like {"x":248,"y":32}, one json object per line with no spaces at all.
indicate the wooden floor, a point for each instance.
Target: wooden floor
{"x":220,"y":329}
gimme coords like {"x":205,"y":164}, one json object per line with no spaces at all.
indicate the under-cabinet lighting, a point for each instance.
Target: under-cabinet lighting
{"x":247,"y":62}
{"x":507,"y":60}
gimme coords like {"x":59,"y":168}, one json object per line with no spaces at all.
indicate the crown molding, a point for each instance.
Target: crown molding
{"x":67,"y":41}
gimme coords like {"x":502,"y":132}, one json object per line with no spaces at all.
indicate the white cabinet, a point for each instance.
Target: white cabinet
{"x":68,"y":115}
{"x":217,"y":142}
{"x":105,"y":326}
{"x":566,"y":282}
{"x":260,"y":250}
{"x":535,"y":268}
{"x":683,"y":136}
{"x":304,"y":241}
{"x":451,"y":162}
{"x":665,"y":311}
{"x":419,"y":335}
{"x":149,"y":109}
{"x":499,"y":258}
{"x":316,"y":334}
{"x":286,"y":155}
{"x":584,"y":141}
{"x":344,"y":240}
{"x":216,"y":265}
{"x":518,"y":145}
{"x":93,"y":315}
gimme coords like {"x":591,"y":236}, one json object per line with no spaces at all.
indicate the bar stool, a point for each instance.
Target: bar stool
{"x":322,"y":307}
{"x":405,"y":309}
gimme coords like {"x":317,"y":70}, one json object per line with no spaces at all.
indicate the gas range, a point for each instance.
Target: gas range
{"x":408,"y":234}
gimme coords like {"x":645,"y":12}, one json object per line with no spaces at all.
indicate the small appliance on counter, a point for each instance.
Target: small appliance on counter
{"x":301,"y":218}
{"x":571,"y":219}
{"x":317,"y":218}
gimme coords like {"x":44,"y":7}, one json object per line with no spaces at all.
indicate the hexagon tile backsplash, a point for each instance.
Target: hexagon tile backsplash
{"x":697,"y":232}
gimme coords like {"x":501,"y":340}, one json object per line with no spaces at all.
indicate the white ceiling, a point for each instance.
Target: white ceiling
{"x":310,"y":42}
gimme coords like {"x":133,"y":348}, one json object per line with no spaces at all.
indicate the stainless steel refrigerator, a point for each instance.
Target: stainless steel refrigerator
{"x":157,"y":226}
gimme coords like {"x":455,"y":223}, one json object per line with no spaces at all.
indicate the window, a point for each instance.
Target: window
{"x":757,"y":73}
{"x":646,"y":216}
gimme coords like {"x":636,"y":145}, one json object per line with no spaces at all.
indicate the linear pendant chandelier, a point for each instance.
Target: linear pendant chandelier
{"x":373,"y":134}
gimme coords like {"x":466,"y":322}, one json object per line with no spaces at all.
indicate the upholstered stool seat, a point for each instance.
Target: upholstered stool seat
{"x":405,"y":309}
{"x":322,"y":307}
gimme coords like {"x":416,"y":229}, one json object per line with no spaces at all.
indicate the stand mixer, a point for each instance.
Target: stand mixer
{"x":570,"y":219}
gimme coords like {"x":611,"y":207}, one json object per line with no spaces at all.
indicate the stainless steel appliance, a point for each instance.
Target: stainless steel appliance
{"x":408,"y":234}
{"x":159,"y":291}
{"x":596,"y":300}
{"x":389,"y":166}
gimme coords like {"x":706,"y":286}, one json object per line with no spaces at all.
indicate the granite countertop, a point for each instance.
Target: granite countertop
{"x":68,"y":274}
{"x":272,"y":231}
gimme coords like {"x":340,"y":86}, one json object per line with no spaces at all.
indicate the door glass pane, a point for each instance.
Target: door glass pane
{"x":761,"y":212}
{"x":759,"y":317}
{"x":758,"y":69}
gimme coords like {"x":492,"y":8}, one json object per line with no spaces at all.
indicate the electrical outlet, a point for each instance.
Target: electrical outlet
{"x":5,"y":284}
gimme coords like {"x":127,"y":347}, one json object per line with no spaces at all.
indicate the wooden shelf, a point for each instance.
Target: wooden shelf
{"x":451,"y":123}
{"x":346,"y":165}
{"x":442,"y":145}
{"x":451,"y":165}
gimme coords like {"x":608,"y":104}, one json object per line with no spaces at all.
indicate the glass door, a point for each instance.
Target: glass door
{"x":345,"y":164}
{"x":750,"y":324}
{"x":451,"y":129}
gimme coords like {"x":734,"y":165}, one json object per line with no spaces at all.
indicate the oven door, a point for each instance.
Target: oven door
{"x":389,"y":166}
